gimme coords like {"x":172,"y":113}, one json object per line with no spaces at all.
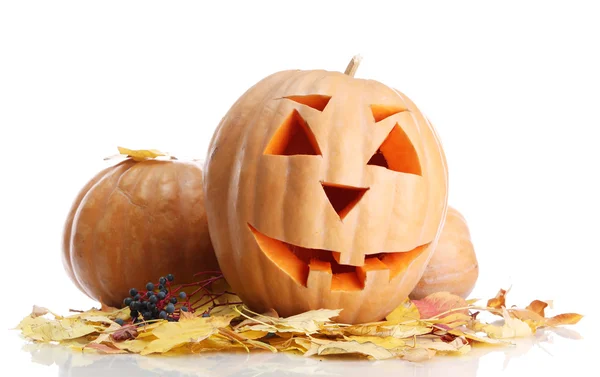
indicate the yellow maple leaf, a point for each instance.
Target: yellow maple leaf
{"x":216,"y":342}
{"x":245,"y":341}
{"x":135,"y":345}
{"x":253,"y":334}
{"x":48,"y":330}
{"x":406,"y":312}
{"x":174,"y":334}
{"x":141,"y":154}
{"x":327,"y":347}
{"x":299,"y":345}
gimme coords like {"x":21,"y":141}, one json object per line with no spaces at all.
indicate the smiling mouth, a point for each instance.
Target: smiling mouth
{"x":312,"y":267}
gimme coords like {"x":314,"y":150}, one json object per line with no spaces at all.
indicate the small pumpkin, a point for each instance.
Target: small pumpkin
{"x":453,"y":267}
{"x":324,"y":191}
{"x":134,"y":222}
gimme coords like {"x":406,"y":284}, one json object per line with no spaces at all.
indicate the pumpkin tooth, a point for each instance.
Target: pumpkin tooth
{"x":374,"y":272}
{"x":349,"y":259}
{"x":319,"y":274}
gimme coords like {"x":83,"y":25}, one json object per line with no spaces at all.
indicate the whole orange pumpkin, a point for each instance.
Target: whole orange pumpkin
{"x":324,"y":191}
{"x":134,"y":222}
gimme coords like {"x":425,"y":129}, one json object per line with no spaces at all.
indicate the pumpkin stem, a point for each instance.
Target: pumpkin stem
{"x":353,"y":65}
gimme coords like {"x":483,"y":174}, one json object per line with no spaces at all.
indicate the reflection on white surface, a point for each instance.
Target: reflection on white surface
{"x":481,"y":361}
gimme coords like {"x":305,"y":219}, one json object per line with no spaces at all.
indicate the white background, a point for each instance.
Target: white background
{"x":512,"y":87}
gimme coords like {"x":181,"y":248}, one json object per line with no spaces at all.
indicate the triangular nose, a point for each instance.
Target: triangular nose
{"x":343,"y":198}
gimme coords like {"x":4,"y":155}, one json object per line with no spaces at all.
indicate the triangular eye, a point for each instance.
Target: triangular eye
{"x":316,"y":101}
{"x":292,"y":138}
{"x":380,"y":112}
{"x":397,"y":153}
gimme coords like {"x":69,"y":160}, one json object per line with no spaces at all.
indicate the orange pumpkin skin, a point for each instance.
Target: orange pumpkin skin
{"x":134,"y":222}
{"x":453,"y":267}
{"x":302,"y":212}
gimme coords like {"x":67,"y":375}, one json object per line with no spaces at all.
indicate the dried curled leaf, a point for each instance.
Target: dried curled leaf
{"x":564,"y":319}
{"x":125,"y":333}
{"x":499,"y":301}
{"x":538,"y":307}
{"x":39,"y":311}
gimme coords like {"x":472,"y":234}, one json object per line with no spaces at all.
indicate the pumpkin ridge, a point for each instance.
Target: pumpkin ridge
{"x":240,"y":159}
{"x":127,"y":257}
{"x":70,"y":223}
{"x":102,"y":281}
{"x":301,"y":78}
{"x":92,"y":252}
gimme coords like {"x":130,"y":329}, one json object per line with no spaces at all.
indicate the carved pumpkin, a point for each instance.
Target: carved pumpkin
{"x":324,"y":191}
{"x":134,"y":222}
{"x":453,"y":267}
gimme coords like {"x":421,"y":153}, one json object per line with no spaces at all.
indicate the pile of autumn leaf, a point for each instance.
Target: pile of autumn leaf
{"x":417,"y":330}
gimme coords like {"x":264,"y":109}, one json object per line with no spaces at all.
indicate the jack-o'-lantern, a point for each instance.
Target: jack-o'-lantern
{"x":324,"y":191}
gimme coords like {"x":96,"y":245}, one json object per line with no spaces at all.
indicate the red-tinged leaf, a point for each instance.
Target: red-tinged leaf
{"x":537,"y":306}
{"x":105,"y":348}
{"x":564,"y":319}
{"x":440,"y":304}
{"x":125,"y":333}
{"x":499,"y":301}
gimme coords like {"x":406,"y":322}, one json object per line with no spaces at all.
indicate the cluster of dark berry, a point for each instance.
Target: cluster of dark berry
{"x":157,"y":301}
